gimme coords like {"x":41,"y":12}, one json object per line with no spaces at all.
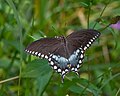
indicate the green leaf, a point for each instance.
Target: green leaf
{"x":107,"y":81}
{"x":36,"y":68}
{"x":64,"y":87}
{"x":42,"y":83}
{"x":82,"y":86}
{"x":75,"y":89}
{"x":14,"y":44}
{"x":40,"y":70}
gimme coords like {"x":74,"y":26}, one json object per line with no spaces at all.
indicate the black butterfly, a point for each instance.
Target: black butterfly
{"x":64,"y":54}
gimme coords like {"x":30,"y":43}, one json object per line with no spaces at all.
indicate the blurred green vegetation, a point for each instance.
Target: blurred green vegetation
{"x":23,"y":21}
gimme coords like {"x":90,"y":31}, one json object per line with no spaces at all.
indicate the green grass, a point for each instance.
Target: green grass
{"x":24,"y":21}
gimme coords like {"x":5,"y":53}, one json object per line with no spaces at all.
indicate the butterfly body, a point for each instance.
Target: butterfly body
{"x":64,"y":54}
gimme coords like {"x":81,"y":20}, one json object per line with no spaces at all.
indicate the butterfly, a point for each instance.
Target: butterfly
{"x":64,"y":54}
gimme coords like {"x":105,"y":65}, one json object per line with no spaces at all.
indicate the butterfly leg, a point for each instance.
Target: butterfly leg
{"x":62,"y":78}
{"x":77,"y":73}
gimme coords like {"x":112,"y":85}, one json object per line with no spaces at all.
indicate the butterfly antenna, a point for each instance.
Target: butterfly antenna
{"x":54,"y":29}
{"x":42,"y":34}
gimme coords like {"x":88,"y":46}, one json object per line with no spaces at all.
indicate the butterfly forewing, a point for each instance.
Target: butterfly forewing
{"x":43,"y":46}
{"x":83,"y":38}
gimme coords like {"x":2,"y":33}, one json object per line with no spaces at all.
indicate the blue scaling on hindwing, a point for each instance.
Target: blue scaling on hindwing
{"x":63,"y":65}
{"x":59,"y":61}
{"x":76,"y":59}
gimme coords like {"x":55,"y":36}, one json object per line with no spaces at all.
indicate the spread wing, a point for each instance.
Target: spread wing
{"x":43,"y":47}
{"x":82,"y":39}
{"x":46,"y":46}
{"x":64,"y":50}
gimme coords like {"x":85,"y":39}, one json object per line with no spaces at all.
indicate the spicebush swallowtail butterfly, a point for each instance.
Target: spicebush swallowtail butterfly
{"x":64,"y":54}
